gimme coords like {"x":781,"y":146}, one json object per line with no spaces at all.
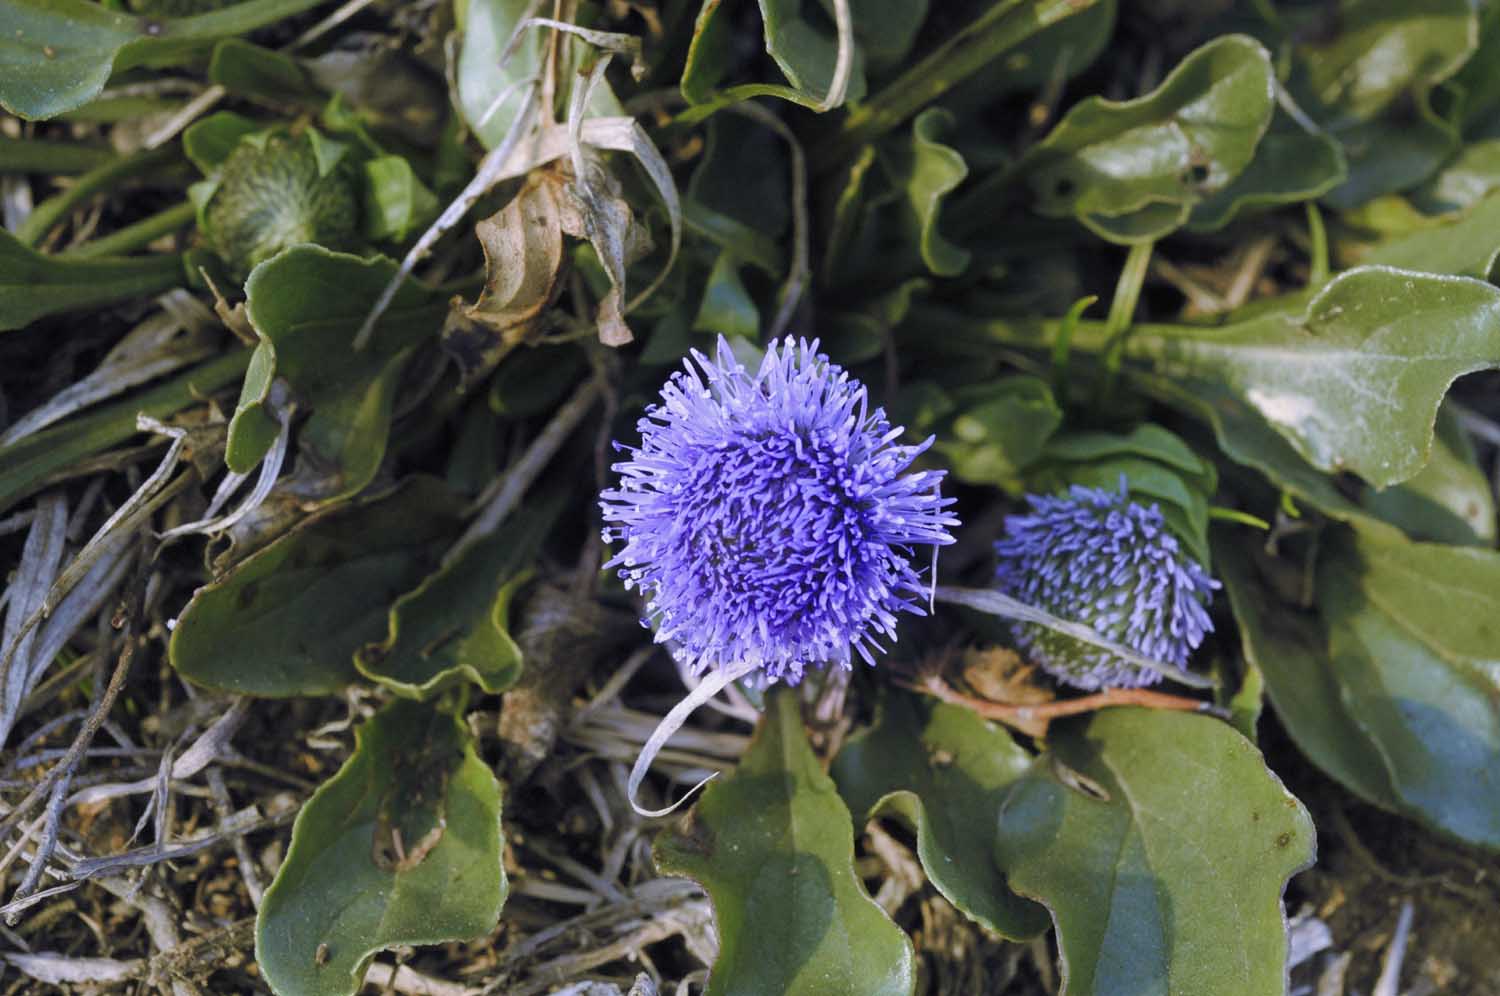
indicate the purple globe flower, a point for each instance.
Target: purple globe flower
{"x":770,"y":519}
{"x":1098,"y":558}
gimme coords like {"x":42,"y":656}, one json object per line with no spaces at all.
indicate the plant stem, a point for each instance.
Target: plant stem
{"x":1002,"y":27}
{"x":135,"y":235}
{"x":55,"y":208}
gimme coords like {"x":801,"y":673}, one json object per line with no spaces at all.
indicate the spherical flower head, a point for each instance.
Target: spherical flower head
{"x":1096,"y":557}
{"x":771,"y":518}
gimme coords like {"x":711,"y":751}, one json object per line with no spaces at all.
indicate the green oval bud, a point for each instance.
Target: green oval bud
{"x":273,"y":193}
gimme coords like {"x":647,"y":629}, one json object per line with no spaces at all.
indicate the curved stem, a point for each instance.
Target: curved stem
{"x":138,"y":234}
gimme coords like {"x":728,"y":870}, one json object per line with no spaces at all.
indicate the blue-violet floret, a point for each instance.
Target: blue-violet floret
{"x":771,"y":518}
{"x":1095,"y":557}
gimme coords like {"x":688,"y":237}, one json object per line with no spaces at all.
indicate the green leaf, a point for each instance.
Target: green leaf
{"x":455,"y":625}
{"x":251,"y":71}
{"x":396,"y":203}
{"x":999,"y":429}
{"x":1133,"y":171}
{"x":1354,"y":383}
{"x":208,"y":142}
{"x":1290,"y":165}
{"x":727,"y":307}
{"x":1465,"y":182}
{"x":309,"y":302}
{"x":1450,"y":501}
{"x":1369,"y":83}
{"x":1171,"y":882}
{"x":482,"y":79}
{"x":943,"y":771}
{"x":56,"y":55}
{"x":774,"y":847}
{"x":1382,"y":49}
{"x":533,"y":379}
{"x":402,"y":846}
{"x":1411,"y":641}
{"x":1289,"y":647}
{"x":744,"y":175}
{"x":926,"y":171}
{"x":34,"y":286}
{"x":1390,"y":685}
{"x":253,"y":429}
{"x":1463,"y":245}
{"x":30,"y":461}
{"x":287,"y":620}
{"x":804,"y":52}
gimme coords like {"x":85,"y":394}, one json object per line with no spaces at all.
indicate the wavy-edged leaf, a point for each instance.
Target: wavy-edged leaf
{"x":1471,"y":177}
{"x":944,"y":772}
{"x":455,"y":625}
{"x":287,"y":620}
{"x":1133,"y":171}
{"x":402,"y":846}
{"x":1354,"y":382}
{"x":308,"y":302}
{"x":1164,"y":864}
{"x":56,"y":55}
{"x":805,"y":53}
{"x":774,"y":847}
{"x":927,"y":171}
{"x":1449,"y":501}
{"x":1290,"y":165}
{"x":1463,"y":245}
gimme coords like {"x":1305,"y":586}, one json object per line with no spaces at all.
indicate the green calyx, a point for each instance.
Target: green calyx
{"x":278,"y":190}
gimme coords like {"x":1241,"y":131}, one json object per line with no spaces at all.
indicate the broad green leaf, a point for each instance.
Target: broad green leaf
{"x":1171,"y":882}
{"x":209,"y":141}
{"x":1354,"y":383}
{"x":1396,"y":151}
{"x":926,"y":171}
{"x":309,"y":303}
{"x":999,"y":429}
{"x":1389,"y":683}
{"x":1383,"y":48}
{"x":251,"y":71}
{"x":1464,"y":245}
{"x":1290,"y":165}
{"x":1450,"y":501}
{"x":56,"y":55}
{"x":753,"y":246}
{"x":1465,"y":182}
{"x":774,"y":846}
{"x":533,"y":379}
{"x":1133,"y":171}
{"x":1369,"y":81}
{"x":455,"y":625}
{"x":805,"y":52}
{"x":402,"y":846}
{"x":482,"y":78}
{"x":287,"y":620}
{"x":1289,"y":647}
{"x":1411,"y":641}
{"x":943,"y":771}
{"x":727,"y":307}
{"x":31,"y":460}
{"x":396,"y":203}
{"x":34,"y":286}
